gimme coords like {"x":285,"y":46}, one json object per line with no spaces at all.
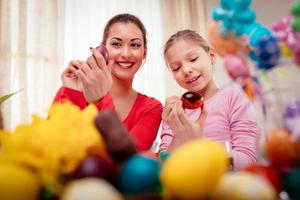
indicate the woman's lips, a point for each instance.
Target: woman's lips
{"x":125,"y":65}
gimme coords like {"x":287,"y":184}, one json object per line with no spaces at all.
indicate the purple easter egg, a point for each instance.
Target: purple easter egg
{"x":292,"y":115}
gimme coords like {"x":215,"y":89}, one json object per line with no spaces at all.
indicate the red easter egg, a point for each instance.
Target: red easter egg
{"x":103,"y":50}
{"x":270,"y":173}
{"x":192,"y":100}
{"x":280,"y":148}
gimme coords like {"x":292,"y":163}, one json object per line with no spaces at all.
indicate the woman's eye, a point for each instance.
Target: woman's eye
{"x":136,"y":45}
{"x":194,"y":59}
{"x":116,"y":44}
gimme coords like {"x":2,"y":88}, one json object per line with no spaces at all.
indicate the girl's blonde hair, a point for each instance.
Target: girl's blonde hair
{"x":189,"y":35}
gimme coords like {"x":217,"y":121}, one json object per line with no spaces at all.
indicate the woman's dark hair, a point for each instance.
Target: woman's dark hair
{"x":125,"y":18}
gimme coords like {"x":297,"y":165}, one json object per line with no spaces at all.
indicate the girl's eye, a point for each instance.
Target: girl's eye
{"x":135,"y":45}
{"x":194,"y":59}
{"x":175,"y":69}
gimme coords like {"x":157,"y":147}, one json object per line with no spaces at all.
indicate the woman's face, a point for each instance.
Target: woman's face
{"x":190,"y":64}
{"x":126,"y":49}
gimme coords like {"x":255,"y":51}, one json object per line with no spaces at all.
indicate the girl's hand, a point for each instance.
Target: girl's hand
{"x":69,"y":78}
{"x":95,"y":77}
{"x":184,"y":129}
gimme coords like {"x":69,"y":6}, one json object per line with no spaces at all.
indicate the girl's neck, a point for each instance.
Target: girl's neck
{"x":209,"y":91}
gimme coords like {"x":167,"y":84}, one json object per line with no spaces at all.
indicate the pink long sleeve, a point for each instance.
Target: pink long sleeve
{"x":230,"y":118}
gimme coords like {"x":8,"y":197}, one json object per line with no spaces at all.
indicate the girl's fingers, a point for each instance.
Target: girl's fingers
{"x":201,"y":119}
{"x":183,"y":118}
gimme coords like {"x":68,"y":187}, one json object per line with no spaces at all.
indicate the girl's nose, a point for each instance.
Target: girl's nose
{"x":187,"y":70}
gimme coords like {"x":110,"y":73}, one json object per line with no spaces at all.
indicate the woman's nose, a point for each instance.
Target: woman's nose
{"x":125,"y":52}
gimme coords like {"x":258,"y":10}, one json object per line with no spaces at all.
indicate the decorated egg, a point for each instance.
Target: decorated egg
{"x":192,"y":100}
{"x":91,"y":189}
{"x":94,"y":166}
{"x":17,"y":183}
{"x":291,"y":183}
{"x":280,"y":148}
{"x":193,"y":170}
{"x":292,"y":115}
{"x":140,"y":174}
{"x":244,"y":186}
{"x":270,"y":173}
{"x":236,"y":66}
{"x":103,"y":50}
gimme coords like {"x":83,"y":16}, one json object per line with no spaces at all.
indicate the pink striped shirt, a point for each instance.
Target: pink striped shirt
{"x":230,"y":118}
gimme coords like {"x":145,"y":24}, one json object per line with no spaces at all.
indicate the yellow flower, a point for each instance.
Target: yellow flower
{"x":55,"y":145}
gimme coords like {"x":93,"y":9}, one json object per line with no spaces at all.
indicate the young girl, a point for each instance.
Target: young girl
{"x":110,"y":85}
{"x":227,"y":117}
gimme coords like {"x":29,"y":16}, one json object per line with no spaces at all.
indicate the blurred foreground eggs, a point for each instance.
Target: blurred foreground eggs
{"x":140,"y":174}
{"x":90,"y":189}
{"x":193,"y":170}
{"x":244,"y":186}
{"x":17,"y":183}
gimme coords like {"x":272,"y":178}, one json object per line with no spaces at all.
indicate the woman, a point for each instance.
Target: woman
{"x":111,"y":85}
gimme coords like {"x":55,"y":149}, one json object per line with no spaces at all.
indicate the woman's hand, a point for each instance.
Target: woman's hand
{"x":69,"y":77}
{"x":95,"y":77}
{"x":184,"y":129}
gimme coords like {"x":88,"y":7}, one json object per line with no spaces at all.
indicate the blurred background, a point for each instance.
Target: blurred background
{"x":38,"y":38}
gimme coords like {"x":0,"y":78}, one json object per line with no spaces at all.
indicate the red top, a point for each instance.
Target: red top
{"x":142,"y":121}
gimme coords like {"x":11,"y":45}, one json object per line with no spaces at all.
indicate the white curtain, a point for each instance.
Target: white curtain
{"x":28,"y":57}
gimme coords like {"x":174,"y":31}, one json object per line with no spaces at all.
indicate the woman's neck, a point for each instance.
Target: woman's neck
{"x":121,"y":89}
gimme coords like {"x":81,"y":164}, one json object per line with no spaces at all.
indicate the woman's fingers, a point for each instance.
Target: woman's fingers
{"x":99,"y":59}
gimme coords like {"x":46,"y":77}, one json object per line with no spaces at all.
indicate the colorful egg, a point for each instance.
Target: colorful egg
{"x":193,"y":170}
{"x":91,"y":189}
{"x":140,"y":174}
{"x":244,"y":186}
{"x":280,"y":148}
{"x":292,"y":115}
{"x":192,"y":100}
{"x":94,"y":166}
{"x":103,"y":50}
{"x":270,"y":173}
{"x":236,"y":66}
{"x":292,"y":183}
{"x":17,"y":183}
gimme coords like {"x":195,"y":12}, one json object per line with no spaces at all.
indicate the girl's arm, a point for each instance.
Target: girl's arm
{"x":244,"y":131}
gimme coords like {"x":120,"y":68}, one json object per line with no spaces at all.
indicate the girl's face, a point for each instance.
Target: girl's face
{"x":126,"y":49}
{"x":191,"y":65}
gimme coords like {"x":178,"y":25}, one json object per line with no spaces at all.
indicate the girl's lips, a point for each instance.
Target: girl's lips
{"x":193,"y":79}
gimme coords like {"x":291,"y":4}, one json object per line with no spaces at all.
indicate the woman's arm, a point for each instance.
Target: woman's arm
{"x":145,"y":130}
